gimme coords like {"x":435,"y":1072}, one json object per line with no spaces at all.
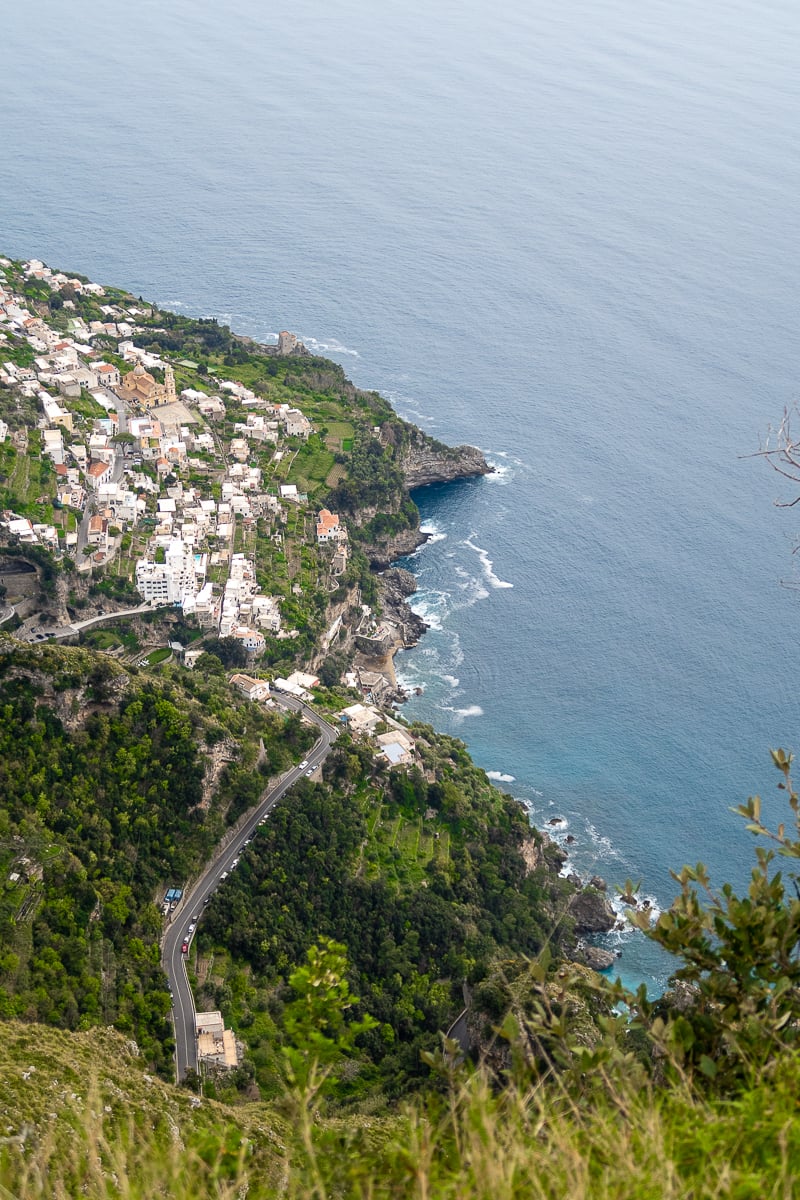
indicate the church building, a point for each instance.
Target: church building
{"x":139,"y":388}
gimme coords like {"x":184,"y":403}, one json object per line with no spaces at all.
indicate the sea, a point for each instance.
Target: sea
{"x":564,"y":232}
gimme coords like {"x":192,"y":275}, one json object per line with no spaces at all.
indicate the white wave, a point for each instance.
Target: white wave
{"x":501,"y":472}
{"x":453,"y":680}
{"x":487,"y":565}
{"x":433,"y":537}
{"x":408,"y":683}
{"x":328,"y":346}
{"x":603,"y":846}
{"x":431,"y":606}
{"x":624,"y":930}
{"x":499,"y":777}
{"x":474,"y":710}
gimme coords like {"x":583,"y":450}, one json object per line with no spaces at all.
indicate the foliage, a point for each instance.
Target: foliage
{"x":740,"y":1004}
{"x":320,"y":867}
{"x":319,"y":1035}
{"x":102,"y":782}
{"x":82,"y":1118}
{"x":230,"y":652}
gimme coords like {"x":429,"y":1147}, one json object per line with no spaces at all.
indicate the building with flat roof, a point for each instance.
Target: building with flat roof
{"x":216,"y":1045}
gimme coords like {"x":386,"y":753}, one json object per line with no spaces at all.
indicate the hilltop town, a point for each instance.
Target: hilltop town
{"x":137,"y":475}
{"x":197,"y":492}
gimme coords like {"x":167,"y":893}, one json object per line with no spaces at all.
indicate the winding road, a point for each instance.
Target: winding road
{"x":191,"y":908}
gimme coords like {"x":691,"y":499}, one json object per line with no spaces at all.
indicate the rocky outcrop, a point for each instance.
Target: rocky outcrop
{"x":425,"y":461}
{"x":396,"y":585}
{"x":384,"y":553}
{"x":594,"y":957}
{"x":540,"y":850}
{"x":592,"y":912}
{"x":398,"y":582}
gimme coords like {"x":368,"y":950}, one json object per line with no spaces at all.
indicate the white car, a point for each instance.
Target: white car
{"x":302,"y":765}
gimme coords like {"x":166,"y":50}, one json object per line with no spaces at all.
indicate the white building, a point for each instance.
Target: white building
{"x":172,"y":582}
{"x":296,"y":424}
{"x":253,"y":689}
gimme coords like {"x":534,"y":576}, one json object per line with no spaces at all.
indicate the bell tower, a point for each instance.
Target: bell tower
{"x":169,"y":384}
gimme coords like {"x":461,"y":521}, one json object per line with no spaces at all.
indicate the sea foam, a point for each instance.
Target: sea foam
{"x":473,"y":710}
{"x":328,"y":346}
{"x":487,"y":565}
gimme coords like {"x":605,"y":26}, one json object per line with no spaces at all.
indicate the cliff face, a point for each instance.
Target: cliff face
{"x":421,"y":461}
{"x":382,"y":554}
{"x":424,"y":461}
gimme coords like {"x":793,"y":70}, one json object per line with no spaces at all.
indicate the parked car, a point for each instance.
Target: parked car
{"x":185,"y":948}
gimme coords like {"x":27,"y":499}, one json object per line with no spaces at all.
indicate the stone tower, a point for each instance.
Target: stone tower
{"x":169,"y":384}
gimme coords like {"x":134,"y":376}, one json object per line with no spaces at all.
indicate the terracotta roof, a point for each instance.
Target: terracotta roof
{"x":97,"y":468}
{"x":327,"y":521}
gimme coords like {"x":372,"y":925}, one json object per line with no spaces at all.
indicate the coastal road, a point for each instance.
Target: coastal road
{"x":35,"y":634}
{"x":193,"y":901}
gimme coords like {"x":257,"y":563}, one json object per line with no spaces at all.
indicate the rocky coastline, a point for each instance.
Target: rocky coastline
{"x":423,"y":462}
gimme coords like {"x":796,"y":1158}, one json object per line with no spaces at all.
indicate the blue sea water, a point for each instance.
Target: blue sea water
{"x":567,"y":233}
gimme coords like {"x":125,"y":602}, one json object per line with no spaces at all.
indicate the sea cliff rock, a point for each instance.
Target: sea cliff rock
{"x":541,"y":850}
{"x":395,"y":586}
{"x":592,"y":912}
{"x":424,"y":461}
{"x":383,"y":554}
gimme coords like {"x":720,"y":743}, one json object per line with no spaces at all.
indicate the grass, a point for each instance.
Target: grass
{"x":400,"y":844}
{"x":310,"y":467}
{"x":83,"y":1118}
{"x":158,"y":656}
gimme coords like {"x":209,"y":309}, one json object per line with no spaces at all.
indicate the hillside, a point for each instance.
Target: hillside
{"x":83,"y":1118}
{"x":193,"y":553}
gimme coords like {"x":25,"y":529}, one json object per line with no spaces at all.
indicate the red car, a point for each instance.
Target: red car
{"x":185,"y":948}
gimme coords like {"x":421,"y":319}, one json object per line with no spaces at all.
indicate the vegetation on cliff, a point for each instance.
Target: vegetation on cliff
{"x":419,"y":875}
{"x":105,"y":802}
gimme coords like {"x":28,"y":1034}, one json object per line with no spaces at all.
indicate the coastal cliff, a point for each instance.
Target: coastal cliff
{"x":384,"y":472}
{"x":425,"y":461}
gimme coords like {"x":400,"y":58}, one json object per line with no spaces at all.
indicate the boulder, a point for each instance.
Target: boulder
{"x":592,"y":912}
{"x":594,"y":956}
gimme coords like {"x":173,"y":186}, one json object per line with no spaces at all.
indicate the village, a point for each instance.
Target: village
{"x":142,"y":481}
